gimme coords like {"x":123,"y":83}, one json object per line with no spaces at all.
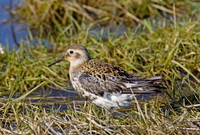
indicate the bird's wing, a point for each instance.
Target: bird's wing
{"x":109,"y":84}
{"x":104,"y":77}
{"x":99,"y":85}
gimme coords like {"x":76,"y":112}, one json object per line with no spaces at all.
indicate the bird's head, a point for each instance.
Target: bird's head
{"x":75,"y":54}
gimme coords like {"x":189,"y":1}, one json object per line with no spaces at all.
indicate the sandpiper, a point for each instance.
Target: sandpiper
{"x":103,"y":84}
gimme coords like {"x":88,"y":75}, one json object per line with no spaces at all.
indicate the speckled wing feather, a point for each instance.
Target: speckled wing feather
{"x":99,"y":77}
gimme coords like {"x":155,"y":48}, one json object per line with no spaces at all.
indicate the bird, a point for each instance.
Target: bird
{"x":103,"y":84}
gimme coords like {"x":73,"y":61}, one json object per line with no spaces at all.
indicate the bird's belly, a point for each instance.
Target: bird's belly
{"x":108,"y":101}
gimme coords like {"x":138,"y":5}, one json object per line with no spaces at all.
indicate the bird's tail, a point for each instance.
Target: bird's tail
{"x":144,"y":86}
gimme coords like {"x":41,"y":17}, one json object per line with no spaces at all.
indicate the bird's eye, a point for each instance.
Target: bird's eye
{"x":71,"y":52}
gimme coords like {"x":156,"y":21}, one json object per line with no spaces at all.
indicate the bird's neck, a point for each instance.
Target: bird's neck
{"x":76,"y":65}
{"x":74,"y":71}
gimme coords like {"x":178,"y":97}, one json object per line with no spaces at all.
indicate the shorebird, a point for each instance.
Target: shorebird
{"x":104,"y":84}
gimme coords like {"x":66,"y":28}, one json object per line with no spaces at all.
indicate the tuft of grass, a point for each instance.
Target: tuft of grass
{"x":144,"y":118}
{"x":70,"y":16}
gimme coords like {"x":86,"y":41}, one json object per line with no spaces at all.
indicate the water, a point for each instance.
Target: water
{"x":8,"y":24}
{"x":53,"y":98}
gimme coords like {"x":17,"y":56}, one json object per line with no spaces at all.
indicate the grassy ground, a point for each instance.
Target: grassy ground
{"x":168,"y":47}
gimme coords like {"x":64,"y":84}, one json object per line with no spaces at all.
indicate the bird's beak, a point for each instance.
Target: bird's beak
{"x":56,"y":61}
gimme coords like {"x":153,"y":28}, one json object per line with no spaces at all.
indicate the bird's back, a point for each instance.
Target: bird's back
{"x":95,"y":67}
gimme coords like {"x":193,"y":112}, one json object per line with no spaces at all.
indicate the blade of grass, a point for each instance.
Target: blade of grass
{"x":27,"y":93}
{"x":184,"y":68}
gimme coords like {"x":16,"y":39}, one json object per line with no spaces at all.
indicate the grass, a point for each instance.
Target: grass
{"x":70,"y":16}
{"x":166,"y":48}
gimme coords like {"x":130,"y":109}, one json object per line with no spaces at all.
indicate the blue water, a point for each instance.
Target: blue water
{"x":6,"y":36}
